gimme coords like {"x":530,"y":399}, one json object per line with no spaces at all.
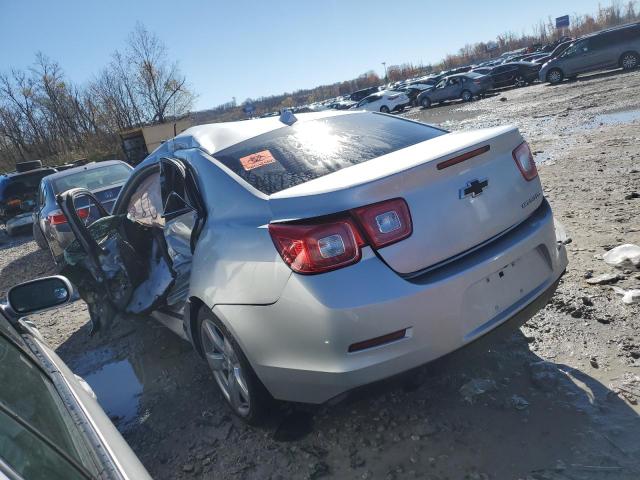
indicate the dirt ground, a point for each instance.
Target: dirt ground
{"x":560,"y":397}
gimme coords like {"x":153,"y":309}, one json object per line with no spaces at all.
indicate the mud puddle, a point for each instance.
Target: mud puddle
{"x":616,"y":118}
{"x":118,"y":390}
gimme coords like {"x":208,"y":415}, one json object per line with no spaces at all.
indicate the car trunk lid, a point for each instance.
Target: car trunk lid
{"x":454,"y":206}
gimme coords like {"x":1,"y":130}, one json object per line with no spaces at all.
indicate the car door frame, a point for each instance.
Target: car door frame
{"x":66,"y":201}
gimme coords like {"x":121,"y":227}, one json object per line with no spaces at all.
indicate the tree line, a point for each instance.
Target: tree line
{"x":43,"y":115}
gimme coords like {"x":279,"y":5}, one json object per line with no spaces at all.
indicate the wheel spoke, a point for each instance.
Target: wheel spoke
{"x":216,"y":339}
{"x":215,"y":360}
{"x":244,"y":390}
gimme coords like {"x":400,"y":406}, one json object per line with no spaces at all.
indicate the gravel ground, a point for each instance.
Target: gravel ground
{"x":557,"y":400}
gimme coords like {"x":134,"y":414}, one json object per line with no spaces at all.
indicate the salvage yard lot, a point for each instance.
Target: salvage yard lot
{"x":557,"y":401}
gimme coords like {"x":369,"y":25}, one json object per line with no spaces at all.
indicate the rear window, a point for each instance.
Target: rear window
{"x":289,"y":156}
{"x":93,"y":179}
{"x":22,"y":185}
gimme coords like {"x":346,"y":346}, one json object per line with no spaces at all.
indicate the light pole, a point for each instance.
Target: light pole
{"x":386,"y":79}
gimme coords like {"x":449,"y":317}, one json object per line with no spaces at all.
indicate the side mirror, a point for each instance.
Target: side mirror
{"x":40,"y":294}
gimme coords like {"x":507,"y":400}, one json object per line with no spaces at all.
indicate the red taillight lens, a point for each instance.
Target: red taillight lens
{"x":317,"y":248}
{"x":525,"y":162}
{"x":386,"y":222}
{"x":14,"y":203}
{"x":58,"y":218}
{"x":326,"y":245}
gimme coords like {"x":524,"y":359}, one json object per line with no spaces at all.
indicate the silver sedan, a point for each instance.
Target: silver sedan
{"x":303,"y":257}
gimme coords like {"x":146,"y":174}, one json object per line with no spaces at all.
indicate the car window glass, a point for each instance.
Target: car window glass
{"x":30,"y":456}
{"x":34,"y":399}
{"x":145,"y":204}
{"x":23,"y":185}
{"x":289,"y":156}
{"x":604,"y":40}
{"x":93,"y":178}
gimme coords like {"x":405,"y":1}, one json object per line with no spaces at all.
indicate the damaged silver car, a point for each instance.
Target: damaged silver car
{"x":304,"y":257}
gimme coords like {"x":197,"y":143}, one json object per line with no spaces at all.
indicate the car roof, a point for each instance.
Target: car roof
{"x":214,"y":137}
{"x":606,"y":30}
{"x":18,"y":174}
{"x":82,"y":168}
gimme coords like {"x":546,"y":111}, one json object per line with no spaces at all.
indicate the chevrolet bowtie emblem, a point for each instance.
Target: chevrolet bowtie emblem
{"x":474,"y":188}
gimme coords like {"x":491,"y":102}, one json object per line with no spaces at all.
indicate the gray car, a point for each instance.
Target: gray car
{"x":51,"y":426}
{"x":306,"y":256}
{"x":463,"y":86}
{"x":613,"y":48}
{"x":50,"y":228}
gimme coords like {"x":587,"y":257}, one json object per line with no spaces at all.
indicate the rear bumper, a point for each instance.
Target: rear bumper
{"x":59,"y":238}
{"x":299,"y":345}
{"x":19,"y":223}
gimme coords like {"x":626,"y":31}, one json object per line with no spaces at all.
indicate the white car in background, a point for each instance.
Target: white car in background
{"x":385,"y":101}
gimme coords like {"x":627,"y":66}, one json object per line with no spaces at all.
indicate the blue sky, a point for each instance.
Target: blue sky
{"x":249,"y":49}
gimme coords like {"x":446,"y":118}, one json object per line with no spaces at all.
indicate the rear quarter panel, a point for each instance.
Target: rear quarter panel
{"x":235,"y":261}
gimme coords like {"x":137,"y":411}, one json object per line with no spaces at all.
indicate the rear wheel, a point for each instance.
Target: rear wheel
{"x":425,"y":102}
{"x":237,"y":381}
{"x":629,"y":60}
{"x":384,"y":109}
{"x":39,"y":237}
{"x":555,"y":76}
{"x":466,"y":95}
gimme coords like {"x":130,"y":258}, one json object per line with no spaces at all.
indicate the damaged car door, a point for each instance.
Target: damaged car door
{"x":138,"y":259}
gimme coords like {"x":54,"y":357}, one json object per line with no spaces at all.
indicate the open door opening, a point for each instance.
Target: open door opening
{"x":137,"y":260}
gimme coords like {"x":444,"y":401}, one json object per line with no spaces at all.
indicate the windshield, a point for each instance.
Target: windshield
{"x":93,"y":179}
{"x":293,"y":155}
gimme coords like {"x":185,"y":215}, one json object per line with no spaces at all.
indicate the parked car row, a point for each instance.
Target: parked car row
{"x":564,"y":58}
{"x":28,"y":198}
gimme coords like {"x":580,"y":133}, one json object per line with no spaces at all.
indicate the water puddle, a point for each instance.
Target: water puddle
{"x":616,"y":118}
{"x":118,"y":390}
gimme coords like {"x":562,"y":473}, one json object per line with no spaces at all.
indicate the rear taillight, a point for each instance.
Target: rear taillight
{"x":386,"y":222}
{"x":14,"y":203}
{"x":525,"y":162}
{"x":317,"y":248}
{"x":58,"y":218}
{"x":324,"y":245}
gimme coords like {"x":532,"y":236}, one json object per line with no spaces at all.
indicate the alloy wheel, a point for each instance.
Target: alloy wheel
{"x":629,"y":61}
{"x":555,"y":76}
{"x":520,"y":81}
{"x":223,"y":360}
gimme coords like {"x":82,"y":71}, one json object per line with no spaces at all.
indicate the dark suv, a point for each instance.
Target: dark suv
{"x":365,"y":92}
{"x":615,"y":47}
{"x":18,"y":197}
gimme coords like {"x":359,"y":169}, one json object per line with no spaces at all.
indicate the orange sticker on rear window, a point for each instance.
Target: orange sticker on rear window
{"x":256,"y":160}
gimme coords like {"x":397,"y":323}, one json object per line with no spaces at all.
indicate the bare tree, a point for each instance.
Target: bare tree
{"x":161,"y":87}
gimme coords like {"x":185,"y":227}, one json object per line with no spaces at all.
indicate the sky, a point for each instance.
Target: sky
{"x":238,"y":48}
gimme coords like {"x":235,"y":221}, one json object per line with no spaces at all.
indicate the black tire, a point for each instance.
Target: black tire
{"x":384,"y":109}
{"x":425,"y":102}
{"x":629,"y":60}
{"x":520,"y":81}
{"x":555,"y":76}
{"x":260,"y":401}
{"x":39,"y":237}
{"x":466,"y":96}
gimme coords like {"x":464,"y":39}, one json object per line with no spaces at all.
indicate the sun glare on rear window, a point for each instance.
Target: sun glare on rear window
{"x":295,"y":154}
